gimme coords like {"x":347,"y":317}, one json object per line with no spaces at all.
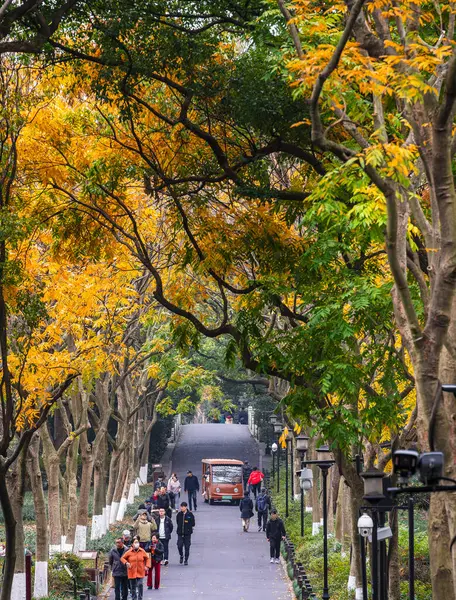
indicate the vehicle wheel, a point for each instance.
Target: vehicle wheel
{"x":211,"y":501}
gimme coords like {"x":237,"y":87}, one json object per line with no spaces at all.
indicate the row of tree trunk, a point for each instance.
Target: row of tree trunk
{"x":99,"y":441}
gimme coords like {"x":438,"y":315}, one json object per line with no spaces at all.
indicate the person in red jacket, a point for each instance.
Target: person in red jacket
{"x":254,"y":481}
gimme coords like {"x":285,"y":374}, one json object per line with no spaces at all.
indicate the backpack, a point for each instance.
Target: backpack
{"x":261,"y":503}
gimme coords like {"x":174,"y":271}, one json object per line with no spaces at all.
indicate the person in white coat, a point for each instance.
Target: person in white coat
{"x":174,"y":490}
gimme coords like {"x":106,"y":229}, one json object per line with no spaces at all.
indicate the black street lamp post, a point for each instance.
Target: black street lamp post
{"x":411,"y":528}
{"x":302,"y":444}
{"x":286,"y":478}
{"x":373,"y":493}
{"x":277,"y":431}
{"x":291,"y":469}
{"x":274,"y":449}
{"x":324,"y":461}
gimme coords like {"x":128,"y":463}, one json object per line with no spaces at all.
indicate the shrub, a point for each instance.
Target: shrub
{"x":59,"y":580}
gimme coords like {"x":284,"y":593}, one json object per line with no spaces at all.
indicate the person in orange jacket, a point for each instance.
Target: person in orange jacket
{"x":138,"y":564}
{"x":254,"y":481}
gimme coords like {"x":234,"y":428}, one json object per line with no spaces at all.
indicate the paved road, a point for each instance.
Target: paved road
{"x":225,"y":563}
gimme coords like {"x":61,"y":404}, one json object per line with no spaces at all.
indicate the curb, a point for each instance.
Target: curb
{"x":283,"y":564}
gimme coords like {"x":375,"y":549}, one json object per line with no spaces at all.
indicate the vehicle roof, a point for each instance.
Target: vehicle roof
{"x":222,"y":461}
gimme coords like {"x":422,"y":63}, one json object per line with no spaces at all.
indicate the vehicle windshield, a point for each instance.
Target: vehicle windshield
{"x":226,"y":474}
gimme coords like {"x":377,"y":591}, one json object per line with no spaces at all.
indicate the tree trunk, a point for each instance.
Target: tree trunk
{"x":40,"y":588}
{"x":99,"y":497}
{"x":80,"y":537}
{"x":10,"y":536}
{"x":72,"y":486}
{"x":439,"y":542}
{"x":113,"y":475}
{"x":52,"y":466}
{"x":18,"y":485}
{"x":119,"y":485}
{"x":394,"y":574}
{"x":316,"y":511}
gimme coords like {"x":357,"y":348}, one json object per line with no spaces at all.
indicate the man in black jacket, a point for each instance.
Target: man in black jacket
{"x":164,"y":528}
{"x":119,"y":570}
{"x":185,"y":524}
{"x":246,"y":474}
{"x":191,"y":486}
{"x":164,"y":501}
{"x":275,"y":532}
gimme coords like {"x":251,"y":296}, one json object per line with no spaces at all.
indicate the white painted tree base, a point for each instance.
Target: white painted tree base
{"x":143,"y":474}
{"x":359,"y":594}
{"x":351,"y":585}
{"x":103,"y":522}
{"x":136,"y":487}
{"x":308,"y":509}
{"x":80,"y":539}
{"x":18,"y":591}
{"x":113,"y":512}
{"x":131,"y":494}
{"x":315,"y":528}
{"x":122,"y":508}
{"x":40,"y":586}
{"x":107,"y":516}
{"x":97,"y":527}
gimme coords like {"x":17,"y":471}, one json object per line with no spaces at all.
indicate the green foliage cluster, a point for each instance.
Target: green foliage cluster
{"x":59,"y":579}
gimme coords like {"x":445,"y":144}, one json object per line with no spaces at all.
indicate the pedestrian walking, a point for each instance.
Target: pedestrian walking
{"x":119,"y":570}
{"x":191,"y":486}
{"x":246,"y":508}
{"x":185,"y":523}
{"x":247,"y":469}
{"x":156,"y":556}
{"x":164,"y":528}
{"x":143,"y":508}
{"x":159,"y":483}
{"x":262,"y":506}
{"x":174,"y":490}
{"x":254,"y":480}
{"x":137,"y":562}
{"x":126,"y":537}
{"x":275,"y":533}
{"x":144,"y":529}
{"x":163,"y":501}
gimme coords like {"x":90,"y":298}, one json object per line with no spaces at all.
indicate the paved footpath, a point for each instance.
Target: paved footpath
{"x":225,"y":563}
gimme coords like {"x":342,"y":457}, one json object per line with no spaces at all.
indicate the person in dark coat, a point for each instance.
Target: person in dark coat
{"x":191,"y":486}
{"x":164,"y":501}
{"x":164,"y":529}
{"x":275,"y":532}
{"x":119,"y":570}
{"x":159,"y":483}
{"x":185,"y":524}
{"x":247,"y":469}
{"x":262,"y":506}
{"x":246,"y":508}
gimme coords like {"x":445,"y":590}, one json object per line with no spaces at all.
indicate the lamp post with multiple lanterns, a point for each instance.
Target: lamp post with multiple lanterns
{"x":325,"y":461}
